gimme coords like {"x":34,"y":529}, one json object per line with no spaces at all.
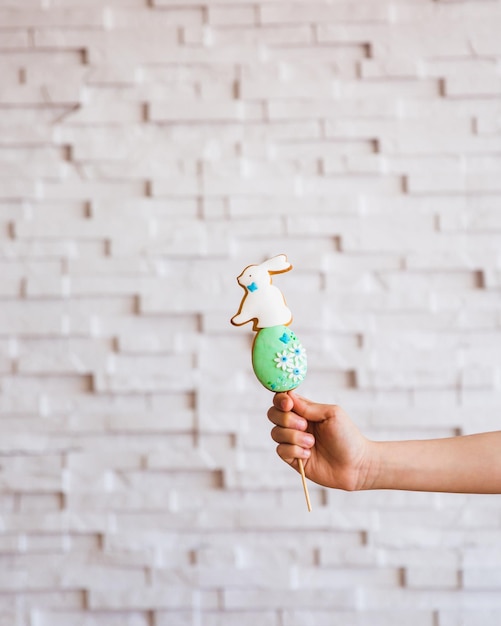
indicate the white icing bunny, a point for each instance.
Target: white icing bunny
{"x":263,"y":303}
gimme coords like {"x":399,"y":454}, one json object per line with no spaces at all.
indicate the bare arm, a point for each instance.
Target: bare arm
{"x":466,"y":464}
{"x":336,"y":454}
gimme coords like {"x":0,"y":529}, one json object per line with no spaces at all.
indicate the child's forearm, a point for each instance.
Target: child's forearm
{"x":467,"y":464}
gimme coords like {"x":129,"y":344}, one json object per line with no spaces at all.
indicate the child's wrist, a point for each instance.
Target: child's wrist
{"x":371,"y":473}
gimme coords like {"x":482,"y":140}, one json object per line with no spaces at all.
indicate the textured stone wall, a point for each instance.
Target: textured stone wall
{"x":149,"y":150}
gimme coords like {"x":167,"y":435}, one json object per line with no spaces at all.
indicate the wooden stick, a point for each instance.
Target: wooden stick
{"x":305,"y":486}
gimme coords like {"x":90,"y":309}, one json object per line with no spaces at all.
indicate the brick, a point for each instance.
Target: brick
{"x":480,"y":219}
{"x":39,"y":68}
{"x":337,"y":185}
{"x":482,"y":36}
{"x":50,"y":544}
{"x":163,"y":4}
{"x":95,"y":618}
{"x":152,"y":422}
{"x":70,"y":600}
{"x":462,"y":107}
{"x":321,"y":13}
{"x":50,"y":94}
{"x":231,"y":15}
{"x":70,"y":38}
{"x":38,"y":473}
{"x":217,"y":618}
{"x":359,"y":618}
{"x":11,"y":72}
{"x":123,"y":17}
{"x":180,"y":597}
{"x":481,"y":578}
{"x":345,"y":52}
{"x":18,"y":18}
{"x":456,"y":68}
{"x":480,"y":83}
{"x":469,"y":617}
{"x":113,"y":73}
{"x":327,"y":152}
{"x":242,"y":207}
{"x":424,"y":559}
{"x":40,"y":76}
{"x":14,"y":40}
{"x":210,"y":454}
{"x":440,"y":600}
{"x":348,"y":520}
{"x":389,"y":68}
{"x":199,"y":111}
{"x":21,"y":135}
{"x":223,"y":576}
{"x":330,"y":108}
{"x":273,"y":599}
{"x":456,"y":12}
{"x":381,"y":238}
{"x":47,"y":287}
{"x":292,"y":81}
{"x":31,"y":318}
{"x":386,"y":379}
{"x":426,"y":538}
{"x":62,"y":356}
{"x":353,"y":577}
{"x":90,"y":190}
{"x":103,"y":383}
{"x":416,"y":165}
{"x":189,"y":79}
{"x":182,"y":617}
{"x":11,"y":287}
{"x":190,"y":239}
{"x":82,"y":228}
{"x":477,"y":558}
{"x":431,"y":578}
{"x":146,"y":208}
{"x":290,"y":35}
{"x":64,"y":521}
{"x":57,"y":570}
{"x":488,"y":124}
{"x":102,"y":111}
{"x":17,"y":188}
{"x":459,"y":183}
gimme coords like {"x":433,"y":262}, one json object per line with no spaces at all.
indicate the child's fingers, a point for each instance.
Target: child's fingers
{"x":311,"y":411}
{"x":283,"y":402}
{"x":294,"y":437}
{"x":290,"y":453}
{"x":287,"y":419}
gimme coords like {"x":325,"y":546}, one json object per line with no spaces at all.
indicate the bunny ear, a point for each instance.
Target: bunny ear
{"x":277,"y":264}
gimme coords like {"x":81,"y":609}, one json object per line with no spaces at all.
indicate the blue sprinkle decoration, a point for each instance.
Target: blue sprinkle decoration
{"x":285,"y":338}
{"x":252,"y":287}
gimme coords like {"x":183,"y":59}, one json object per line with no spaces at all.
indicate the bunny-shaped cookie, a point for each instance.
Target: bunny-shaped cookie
{"x":263,"y":303}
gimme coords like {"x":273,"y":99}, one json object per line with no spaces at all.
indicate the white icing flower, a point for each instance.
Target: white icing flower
{"x":283,"y":360}
{"x":298,"y":352}
{"x":296,"y":374}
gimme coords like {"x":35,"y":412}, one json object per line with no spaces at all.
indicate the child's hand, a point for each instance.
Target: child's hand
{"x":334,"y":452}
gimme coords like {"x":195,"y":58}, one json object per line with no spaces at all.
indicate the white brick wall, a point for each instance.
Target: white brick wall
{"x":149,"y":149}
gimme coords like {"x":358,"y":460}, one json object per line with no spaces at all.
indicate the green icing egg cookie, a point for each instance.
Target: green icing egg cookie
{"x":278,"y":358}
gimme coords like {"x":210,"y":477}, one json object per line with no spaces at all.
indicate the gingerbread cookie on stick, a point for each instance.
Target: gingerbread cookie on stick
{"x":278,"y":358}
